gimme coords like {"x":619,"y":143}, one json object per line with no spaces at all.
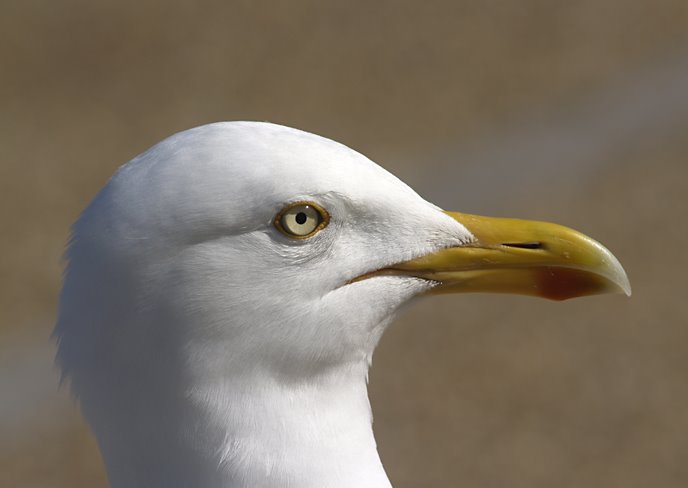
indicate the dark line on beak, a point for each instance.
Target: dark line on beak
{"x":524,"y":245}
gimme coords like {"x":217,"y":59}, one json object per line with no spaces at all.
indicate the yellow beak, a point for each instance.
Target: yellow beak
{"x":523,"y":257}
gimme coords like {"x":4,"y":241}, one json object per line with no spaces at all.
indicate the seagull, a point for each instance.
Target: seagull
{"x":225,"y":291}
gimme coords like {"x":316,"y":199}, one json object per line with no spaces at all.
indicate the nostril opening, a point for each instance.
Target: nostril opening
{"x":524,"y":245}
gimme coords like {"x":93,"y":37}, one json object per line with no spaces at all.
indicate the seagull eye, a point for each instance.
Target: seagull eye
{"x":301,"y":220}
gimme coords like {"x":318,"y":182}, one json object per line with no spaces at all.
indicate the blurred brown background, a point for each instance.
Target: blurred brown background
{"x":575,"y":112}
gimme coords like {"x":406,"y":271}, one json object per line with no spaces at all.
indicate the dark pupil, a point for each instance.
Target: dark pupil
{"x":301,"y":218}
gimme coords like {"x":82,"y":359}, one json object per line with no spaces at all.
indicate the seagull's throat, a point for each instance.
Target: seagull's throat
{"x":269,"y":427}
{"x":210,"y":397}
{"x":245,"y":430}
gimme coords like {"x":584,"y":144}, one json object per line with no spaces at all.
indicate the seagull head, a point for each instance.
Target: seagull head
{"x":236,"y":258}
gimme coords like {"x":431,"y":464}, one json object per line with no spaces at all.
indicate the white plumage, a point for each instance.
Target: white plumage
{"x":209,"y":349}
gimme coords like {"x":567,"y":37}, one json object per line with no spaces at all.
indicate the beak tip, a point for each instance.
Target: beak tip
{"x":626,"y":286}
{"x":618,"y":276}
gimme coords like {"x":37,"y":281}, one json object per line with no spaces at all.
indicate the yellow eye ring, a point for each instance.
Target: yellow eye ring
{"x":301,"y":220}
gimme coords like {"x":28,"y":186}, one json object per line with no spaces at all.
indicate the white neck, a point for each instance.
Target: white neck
{"x":251,"y":432}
